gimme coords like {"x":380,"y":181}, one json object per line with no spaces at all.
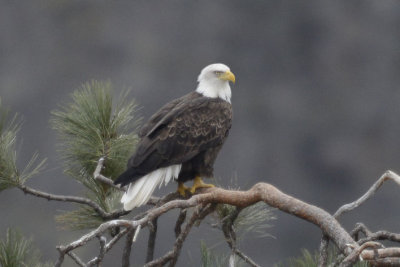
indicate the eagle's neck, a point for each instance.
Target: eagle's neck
{"x":214,"y":89}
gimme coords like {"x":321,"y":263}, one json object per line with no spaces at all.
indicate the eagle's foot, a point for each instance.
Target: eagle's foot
{"x":198,"y":183}
{"x":182,"y":189}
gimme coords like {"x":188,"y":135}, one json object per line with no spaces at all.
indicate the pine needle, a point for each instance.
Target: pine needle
{"x":17,"y":251}
{"x":92,"y":126}
{"x":9,"y":174}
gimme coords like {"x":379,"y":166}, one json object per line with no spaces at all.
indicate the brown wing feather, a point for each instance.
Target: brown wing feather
{"x":179,"y":131}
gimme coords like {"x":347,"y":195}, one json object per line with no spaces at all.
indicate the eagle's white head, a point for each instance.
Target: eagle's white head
{"x":214,"y":81}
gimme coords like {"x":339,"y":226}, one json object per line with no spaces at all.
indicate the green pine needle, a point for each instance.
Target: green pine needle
{"x":92,"y":126}
{"x":9,"y":174}
{"x":17,"y":251}
{"x":209,"y":258}
{"x":8,"y":157}
{"x":253,"y":219}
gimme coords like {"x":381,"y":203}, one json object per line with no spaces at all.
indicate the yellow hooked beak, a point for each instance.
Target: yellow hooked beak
{"x":228,"y":76}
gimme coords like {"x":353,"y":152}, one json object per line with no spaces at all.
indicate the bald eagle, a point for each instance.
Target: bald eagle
{"x":181,"y":141}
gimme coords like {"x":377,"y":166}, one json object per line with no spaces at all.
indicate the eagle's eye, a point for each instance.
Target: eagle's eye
{"x":218,"y":72}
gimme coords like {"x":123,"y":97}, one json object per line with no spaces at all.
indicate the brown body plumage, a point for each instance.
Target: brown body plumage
{"x":182,"y":140}
{"x":189,"y":131}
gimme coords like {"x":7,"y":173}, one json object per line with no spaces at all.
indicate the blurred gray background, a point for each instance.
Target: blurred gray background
{"x":316,"y":103}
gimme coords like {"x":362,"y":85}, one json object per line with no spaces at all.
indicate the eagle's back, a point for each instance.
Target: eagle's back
{"x":181,"y":130}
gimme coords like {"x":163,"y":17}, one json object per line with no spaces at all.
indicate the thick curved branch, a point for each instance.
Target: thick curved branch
{"x":259,"y":192}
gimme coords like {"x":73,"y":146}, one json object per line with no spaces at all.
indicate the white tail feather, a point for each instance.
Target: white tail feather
{"x":140,"y":191}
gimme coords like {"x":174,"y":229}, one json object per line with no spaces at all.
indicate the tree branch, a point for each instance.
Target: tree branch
{"x":127,"y":249}
{"x":152,"y":240}
{"x":230,"y":236}
{"x":179,"y":222}
{"x":74,"y":199}
{"x":99,"y":177}
{"x":107,"y":247}
{"x":259,"y":192}
{"x":388,"y":175}
{"x":200,"y":212}
{"x":76,"y":259}
{"x":369,"y":236}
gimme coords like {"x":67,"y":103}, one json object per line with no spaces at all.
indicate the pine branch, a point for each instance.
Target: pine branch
{"x":97,"y":136}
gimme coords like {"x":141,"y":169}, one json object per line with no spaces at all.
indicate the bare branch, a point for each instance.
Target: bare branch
{"x":172,"y":255}
{"x":355,"y":254}
{"x":127,"y":249}
{"x":152,"y":240}
{"x":107,"y":247}
{"x":388,"y":175}
{"x":99,"y":177}
{"x":389,"y":262}
{"x":76,"y":259}
{"x":369,"y":236}
{"x":102,"y":253}
{"x":179,"y":222}
{"x":60,"y":259}
{"x":259,"y":192}
{"x":80,"y":200}
{"x":245,"y":258}
{"x":380,"y":253}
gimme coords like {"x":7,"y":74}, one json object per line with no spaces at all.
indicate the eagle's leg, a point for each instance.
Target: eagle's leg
{"x":182,"y":189}
{"x":198,"y":183}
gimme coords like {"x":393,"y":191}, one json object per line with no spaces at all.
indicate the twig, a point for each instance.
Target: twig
{"x":80,"y":200}
{"x":230,"y":236}
{"x":152,"y":240}
{"x":370,"y":236}
{"x":359,"y":228}
{"x":102,"y":252}
{"x":76,"y":259}
{"x":99,"y":177}
{"x":136,"y":233}
{"x":127,"y":249}
{"x":245,"y":258}
{"x":179,"y":222}
{"x":388,"y":175}
{"x":172,"y":255}
{"x":355,"y":254}
{"x":74,"y":199}
{"x":107,"y":247}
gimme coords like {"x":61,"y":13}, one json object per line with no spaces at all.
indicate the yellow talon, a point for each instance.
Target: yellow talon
{"x":182,"y":189}
{"x":198,"y":183}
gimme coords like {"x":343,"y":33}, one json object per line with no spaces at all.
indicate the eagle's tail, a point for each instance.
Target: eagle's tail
{"x":140,"y":191}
